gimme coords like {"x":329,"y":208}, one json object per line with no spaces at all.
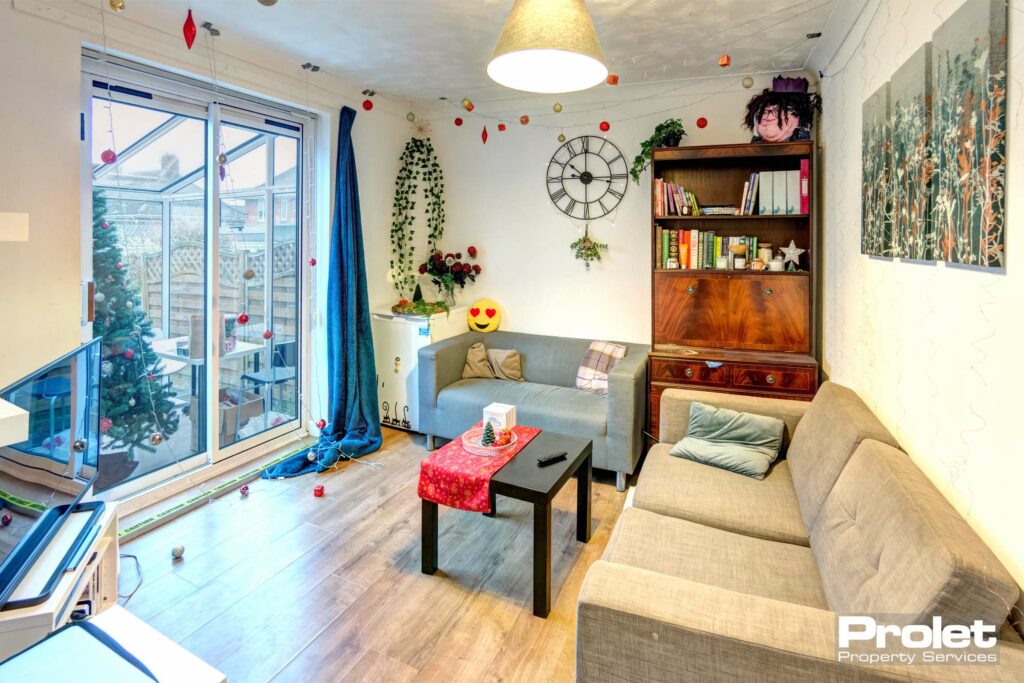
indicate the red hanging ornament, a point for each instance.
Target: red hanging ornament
{"x":243,"y":318}
{"x":120,"y":266}
{"x":188,"y":30}
{"x":702,"y":122}
{"x":458,"y":120}
{"x":128,"y":354}
{"x":6,"y":520}
{"x":367,"y":105}
{"x":471,"y":251}
{"x":244,"y":490}
{"x":724,"y":61}
{"x":318,"y":490}
{"x":613,"y":79}
{"x":108,"y":156}
{"x":321,"y":423}
{"x":501,"y":127}
{"x":104,"y":225}
{"x":312,"y":262}
{"x":151,"y":377}
{"x":524,"y":119}
{"x":267,"y":334}
{"x":605,"y":126}
{"x":483,"y":135}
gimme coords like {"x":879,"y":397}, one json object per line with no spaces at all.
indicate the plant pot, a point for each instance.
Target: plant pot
{"x":671,"y":140}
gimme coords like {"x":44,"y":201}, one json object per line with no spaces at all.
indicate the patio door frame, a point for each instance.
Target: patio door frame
{"x":154,"y":89}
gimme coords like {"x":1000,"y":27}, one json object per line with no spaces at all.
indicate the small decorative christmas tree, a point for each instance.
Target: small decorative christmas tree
{"x":135,"y":404}
{"x":488,"y":437}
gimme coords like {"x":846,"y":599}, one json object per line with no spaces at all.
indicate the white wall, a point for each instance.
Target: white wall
{"x":933,"y":349}
{"x":40,"y":54}
{"x":497,"y":200}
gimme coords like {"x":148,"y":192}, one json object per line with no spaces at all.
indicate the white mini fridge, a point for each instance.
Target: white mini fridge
{"x":397,"y":340}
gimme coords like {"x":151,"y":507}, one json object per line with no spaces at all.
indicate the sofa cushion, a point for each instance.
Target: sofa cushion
{"x":597,"y":362}
{"x":744,"y":443}
{"x":780,"y":571}
{"x":707,"y":495}
{"x":559,"y":409}
{"x":835,"y":423}
{"x":476,"y":363}
{"x":887,"y":542}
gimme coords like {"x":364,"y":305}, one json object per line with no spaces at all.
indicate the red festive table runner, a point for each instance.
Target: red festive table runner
{"x":455,"y":477}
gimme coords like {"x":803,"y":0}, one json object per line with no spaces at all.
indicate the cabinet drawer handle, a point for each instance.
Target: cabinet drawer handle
{"x":688,"y":372}
{"x":769,"y":292}
{"x":770,"y":379}
{"x":691,"y":290}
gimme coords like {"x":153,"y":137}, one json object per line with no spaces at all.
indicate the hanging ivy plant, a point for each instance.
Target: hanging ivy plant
{"x":419,"y":164}
{"x":668,"y":133}
{"x":586,"y":249}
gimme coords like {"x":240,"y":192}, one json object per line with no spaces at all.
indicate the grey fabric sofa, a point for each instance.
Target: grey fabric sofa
{"x":547,"y":399}
{"x":711,"y":575}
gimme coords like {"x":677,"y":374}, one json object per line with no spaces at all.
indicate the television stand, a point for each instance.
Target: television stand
{"x":90,"y":585}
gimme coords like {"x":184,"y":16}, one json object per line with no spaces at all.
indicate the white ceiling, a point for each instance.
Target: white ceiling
{"x":424,"y":49}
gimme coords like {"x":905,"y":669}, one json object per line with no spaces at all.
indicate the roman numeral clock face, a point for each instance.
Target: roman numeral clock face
{"x":587,"y":177}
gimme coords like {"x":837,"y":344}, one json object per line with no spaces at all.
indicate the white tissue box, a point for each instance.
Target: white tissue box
{"x":501,"y":415}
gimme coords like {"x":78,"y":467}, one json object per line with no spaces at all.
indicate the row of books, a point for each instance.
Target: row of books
{"x":777,"y":192}
{"x":698,"y":249}
{"x":670,"y":199}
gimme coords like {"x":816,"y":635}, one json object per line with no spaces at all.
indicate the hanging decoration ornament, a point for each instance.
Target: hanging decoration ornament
{"x":244,"y":490}
{"x":420,"y":128}
{"x":524,"y":119}
{"x":131,"y":402}
{"x":458,"y":120}
{"x":747,"y":82}
{"x":117,"y":5}
{"x":367,"y":105}
{"x":410,"y":117}
{"x":312,"y":262}
{"x":586,"y":249}
{"x":321,"y":423}
{"x":613,"y":79}
{"x":702,"y":122}
{"x":605,"y":126}
{"x":156,"y":438}
{"x":222,"y":158}
{"x":106,"y":367}
{"x":119,"y":266}
{"x":557,"y":107}
{"x":267,"y":334}
{"x":6,"y":520}
{"x":108,"y":156}
{"x":502,"y":127}
{"x":104,"y":225}
{"x":243,"y":318}
{"x":483,"y":135}
{"x":129,"y":305}
{"x":419,"y":164}
{"x":188,"y":30}
{"x":561,"y":137}
{"x":467,"y":104}
{"x":222,"y":172}
{"x":249,"y":274}
{"x":725,"y":60}
{"x":128,"y":354}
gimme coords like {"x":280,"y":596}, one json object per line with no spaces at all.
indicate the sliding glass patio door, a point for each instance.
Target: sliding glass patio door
{"x":196,"y":252}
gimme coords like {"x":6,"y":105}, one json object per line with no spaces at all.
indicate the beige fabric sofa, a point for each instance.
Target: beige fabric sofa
{"x":712,"y":575}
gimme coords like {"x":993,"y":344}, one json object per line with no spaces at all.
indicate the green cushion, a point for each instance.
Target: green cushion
{"x":740,"y":442}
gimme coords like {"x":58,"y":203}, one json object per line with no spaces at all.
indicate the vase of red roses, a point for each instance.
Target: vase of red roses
{"x":448,"y":271}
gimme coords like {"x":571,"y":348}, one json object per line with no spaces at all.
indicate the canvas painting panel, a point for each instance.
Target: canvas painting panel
{"x":876,"y":208}
{"x":969,"y":134}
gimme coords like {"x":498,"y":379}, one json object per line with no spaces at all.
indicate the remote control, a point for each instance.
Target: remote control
{"x":545,"y":460}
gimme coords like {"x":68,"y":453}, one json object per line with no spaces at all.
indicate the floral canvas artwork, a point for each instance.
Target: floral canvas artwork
{"x":910,"y":116}
{"x":969,"y":134}
{"x":876,"y":207}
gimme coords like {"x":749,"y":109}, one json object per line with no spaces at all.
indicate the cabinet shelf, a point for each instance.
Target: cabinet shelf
{"x":727,"y":217}
{"x":715,"y":272}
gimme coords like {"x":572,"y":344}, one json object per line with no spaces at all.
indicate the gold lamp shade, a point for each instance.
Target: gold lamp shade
{"x":548,"y":46}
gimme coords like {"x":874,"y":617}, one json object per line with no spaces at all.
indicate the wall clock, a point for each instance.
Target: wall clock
{"x":587,"y":177}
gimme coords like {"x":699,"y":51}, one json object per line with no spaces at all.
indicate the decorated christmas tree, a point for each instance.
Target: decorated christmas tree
{"x":488,"y":438}
{"x":135,"y":405}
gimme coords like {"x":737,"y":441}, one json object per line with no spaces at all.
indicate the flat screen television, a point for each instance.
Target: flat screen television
{"x":44,"y":478}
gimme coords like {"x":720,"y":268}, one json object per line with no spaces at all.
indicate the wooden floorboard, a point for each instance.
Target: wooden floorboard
{"x":283,"y":586}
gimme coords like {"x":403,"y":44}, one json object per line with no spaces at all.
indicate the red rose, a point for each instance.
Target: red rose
{"x":423,"y":268}
{"x":472,"y":251}
{"x":457,"y":268}
{"x":448,"y":256}
{"x":476,"y":269}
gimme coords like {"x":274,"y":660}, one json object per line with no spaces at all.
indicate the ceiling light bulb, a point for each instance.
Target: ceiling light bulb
{"x":548,"y":46}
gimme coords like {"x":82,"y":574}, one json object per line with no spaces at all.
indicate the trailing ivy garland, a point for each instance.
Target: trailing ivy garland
{"x":586,"y":249}
{"x":419,"y":163}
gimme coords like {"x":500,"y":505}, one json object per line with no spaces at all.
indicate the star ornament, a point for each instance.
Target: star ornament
{"x":420,"y":128}
{"x":792,"y":253}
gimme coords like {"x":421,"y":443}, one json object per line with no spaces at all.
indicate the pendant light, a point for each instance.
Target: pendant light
{"x":548,"y":46}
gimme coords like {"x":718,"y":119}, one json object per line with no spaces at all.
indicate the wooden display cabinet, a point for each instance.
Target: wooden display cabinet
{"x":737,"y":331}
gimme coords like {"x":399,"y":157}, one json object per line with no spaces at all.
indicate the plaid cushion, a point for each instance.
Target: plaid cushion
{"x":597,"y":362}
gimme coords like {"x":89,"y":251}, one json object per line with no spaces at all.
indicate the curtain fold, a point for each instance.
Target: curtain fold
{"x":353,"y":428}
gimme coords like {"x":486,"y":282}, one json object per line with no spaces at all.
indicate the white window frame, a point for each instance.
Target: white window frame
{"x":185,"y":96}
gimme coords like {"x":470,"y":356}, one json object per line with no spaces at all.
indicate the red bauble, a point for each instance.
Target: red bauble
{"x":244,"y":490}
{"x":120,"y":266}
{"x":502,"y":127}
{"x":104,"y":225}
{"x":6,"y":520}
{"x":129,"y":354}
{"x":367,"y":105}
{"x":483,"y":135}
{"x":312,"y":261}
{"x":321,"y":423}
{"x":613,"y":79}
{"x":471,"y":251}
{"x":524,"y":119}
{"x":605,"y":126}
{"x":267,"y":334}
{"x":151,"y":377}
{"x":318,"y":490}
{"x":702,"y":122}
{"x":188,"y":30}
{"x":458,"y":120}
{"x":108,"y":156}
{"x":243,"y":318}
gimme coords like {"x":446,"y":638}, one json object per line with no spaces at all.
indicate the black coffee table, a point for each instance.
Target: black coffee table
{"x":522,"y":479}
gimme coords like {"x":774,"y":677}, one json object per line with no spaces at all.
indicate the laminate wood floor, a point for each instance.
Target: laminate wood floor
{"x":284,"y":586}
